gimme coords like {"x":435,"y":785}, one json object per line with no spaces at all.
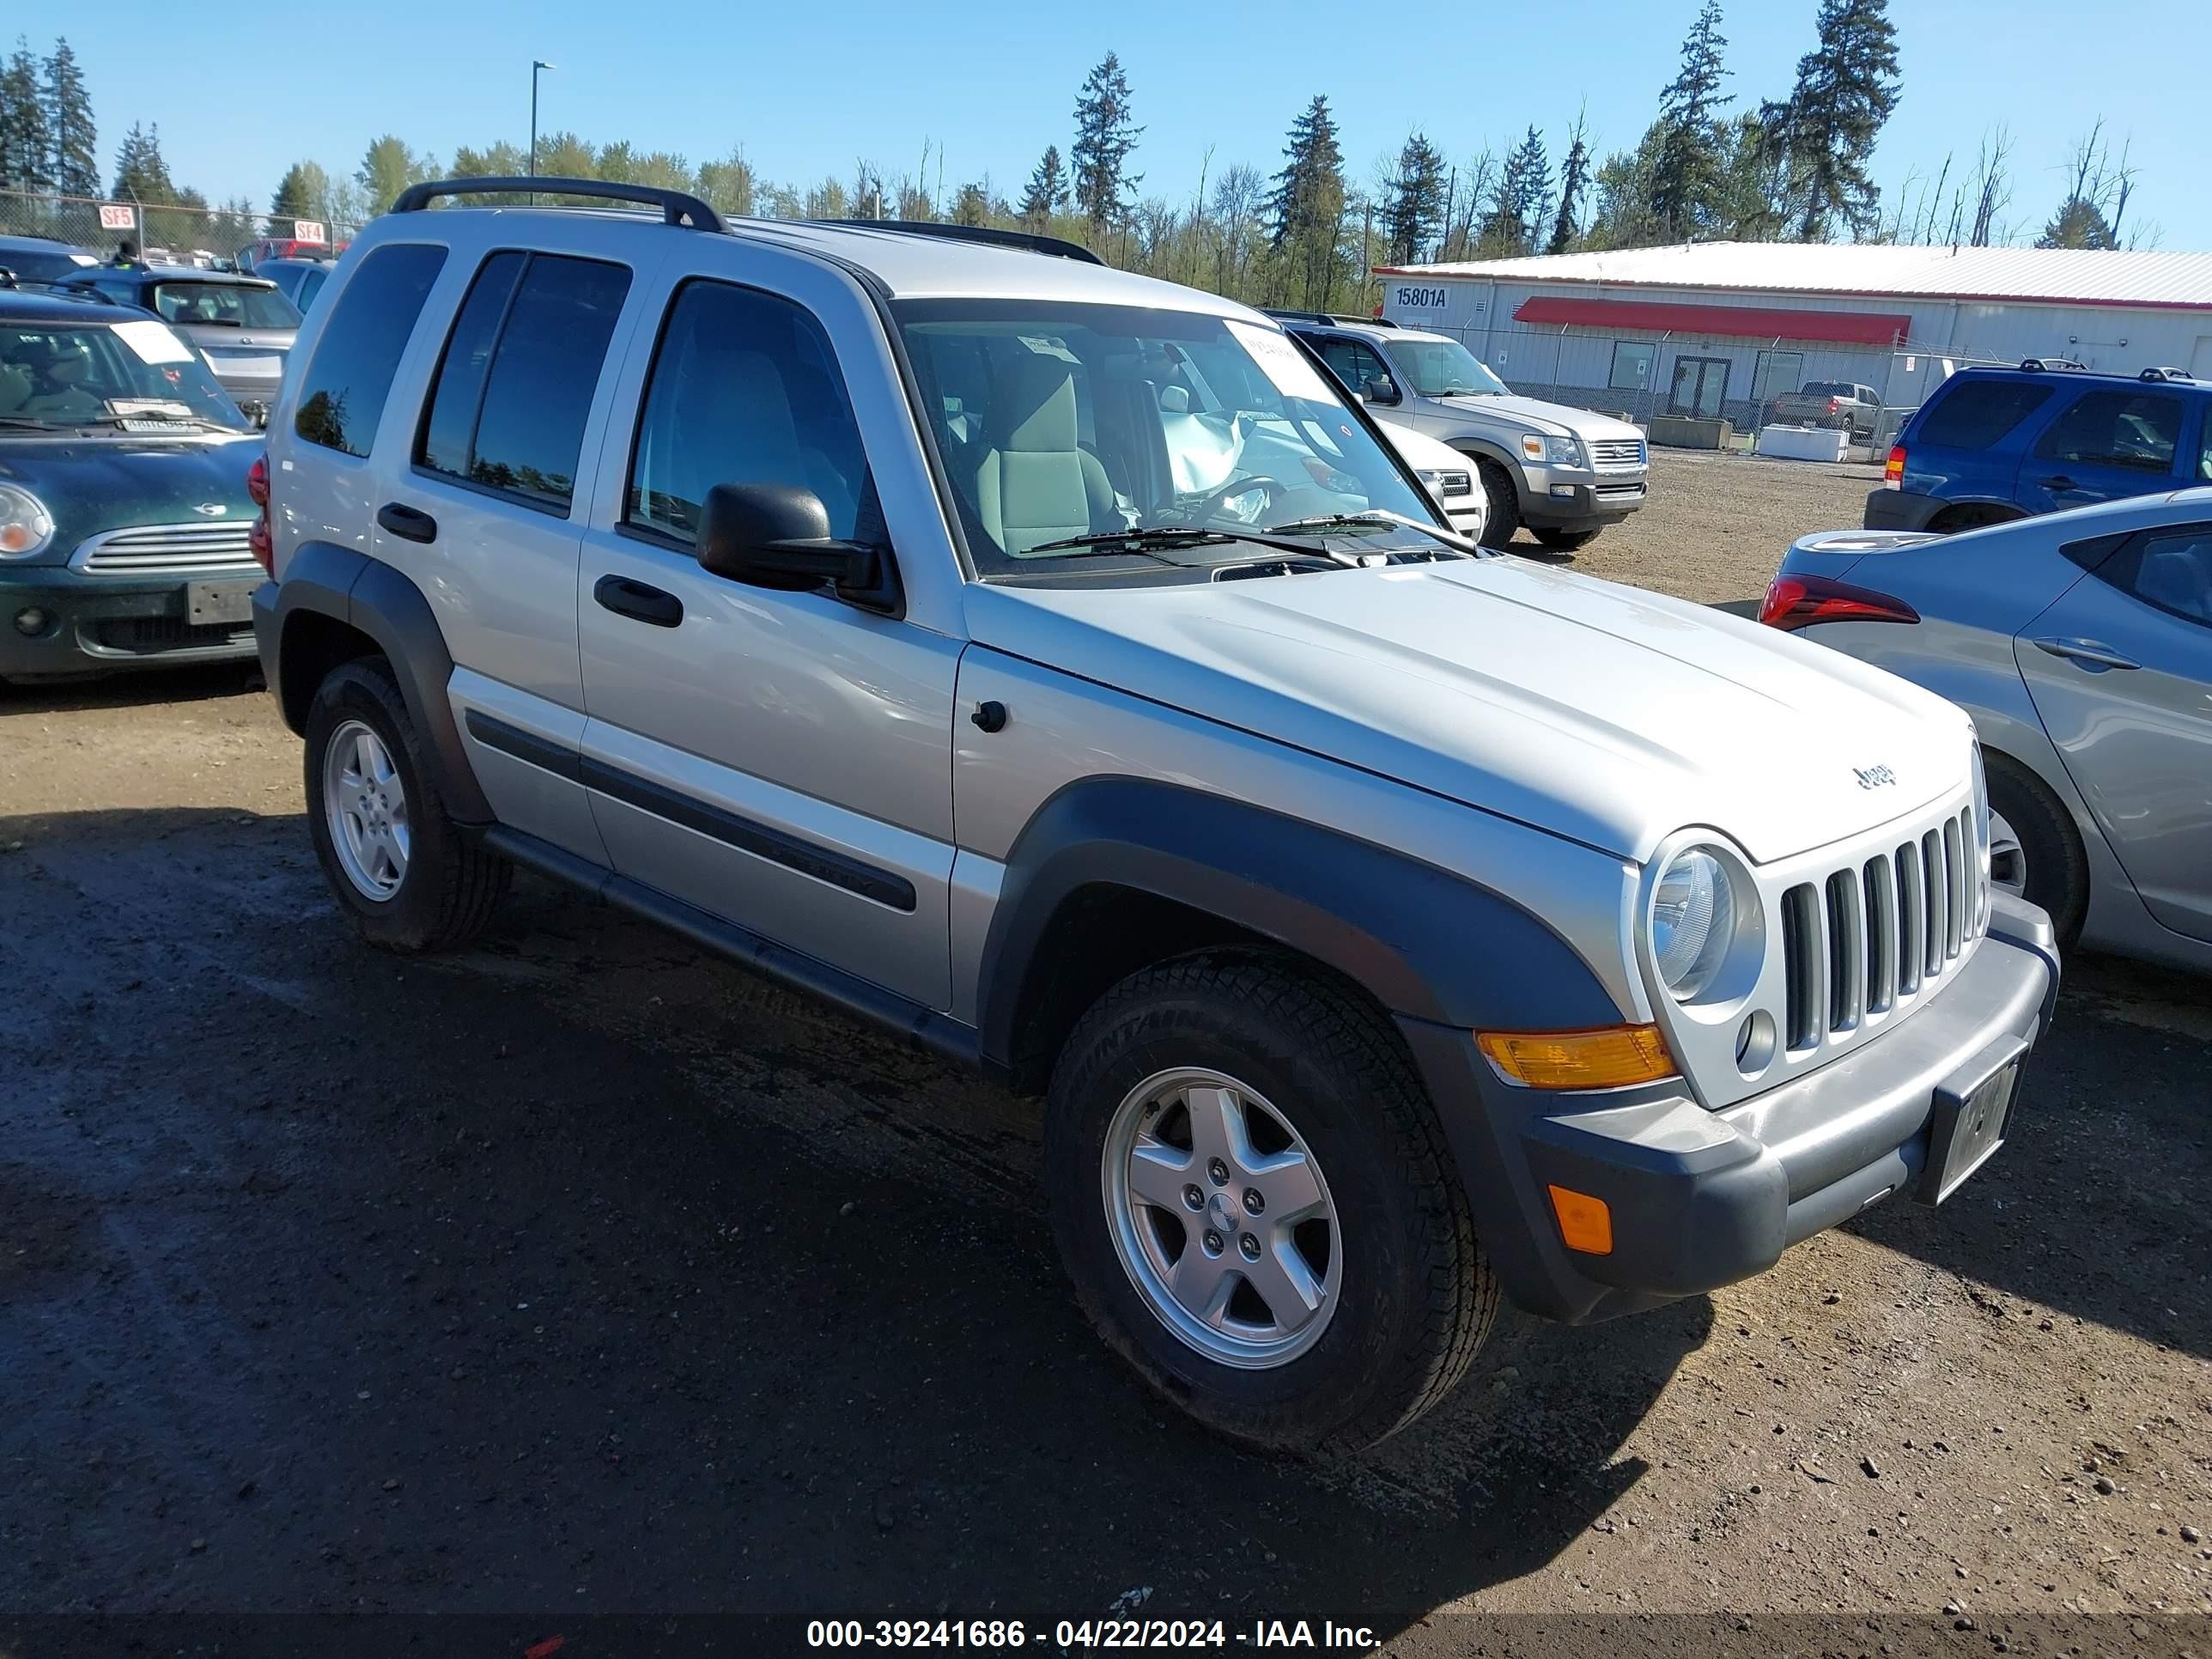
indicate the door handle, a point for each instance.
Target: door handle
{"x":409,"y":523}
{"x":638,"y":602}
{"x":2062,"y":481}
{"x":2093,"y":654}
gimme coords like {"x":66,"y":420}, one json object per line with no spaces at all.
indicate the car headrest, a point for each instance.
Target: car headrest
{"x":1033,"y":405}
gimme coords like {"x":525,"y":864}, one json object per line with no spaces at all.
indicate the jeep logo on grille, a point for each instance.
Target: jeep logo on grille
{"x":1873,"y":777}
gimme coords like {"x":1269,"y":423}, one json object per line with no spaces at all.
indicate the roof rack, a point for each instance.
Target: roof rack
{"x":1283,"y":314}
{"x":2038,"y":365}
{"x":675,"y":208}
{"x":1026,"y":240}
{"x":2166,"y":374}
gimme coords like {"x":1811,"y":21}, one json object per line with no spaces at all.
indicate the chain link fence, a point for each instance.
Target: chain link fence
{"x":171,"y":232}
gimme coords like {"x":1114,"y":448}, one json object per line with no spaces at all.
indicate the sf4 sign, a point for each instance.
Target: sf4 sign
{"x":308,"y":230}
{"x":118,"y":216}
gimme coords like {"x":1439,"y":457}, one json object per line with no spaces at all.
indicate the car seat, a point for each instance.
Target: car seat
{"x":1034,"y":483}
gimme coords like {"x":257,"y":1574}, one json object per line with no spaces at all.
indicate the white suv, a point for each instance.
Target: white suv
{"x":1566,"y":473}
{"x":1053,"y":666}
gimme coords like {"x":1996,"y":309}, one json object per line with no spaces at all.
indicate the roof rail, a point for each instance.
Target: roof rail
{"x":2165,"y":374}
{"x":675,"y":208}
{"x":1283,"y":314}
{"x":2037,"y":365}
{"x":1026,"y":240}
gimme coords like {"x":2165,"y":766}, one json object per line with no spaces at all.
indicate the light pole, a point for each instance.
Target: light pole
{"x":536,"y":65}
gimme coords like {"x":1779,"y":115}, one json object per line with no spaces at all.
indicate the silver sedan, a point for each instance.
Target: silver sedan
{"x":2081,"y":644}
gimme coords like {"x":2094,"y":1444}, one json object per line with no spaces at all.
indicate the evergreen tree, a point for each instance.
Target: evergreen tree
{"x":1686,"y":180}
{"x":1574,"y":177}
{"x":1307,"y":208}
{"x":1846,"y":88}
{"x":972,"y":206}
{"x":75,"y":166}
{"x":300,"y":194}
{"x":1413,"y":211}
{"x":1048,"y":192}
{"x":1104,"y":137}
{"x":1522,"y":198}
{"x":2079,"y":222}
{"x":141,"y":174}
{"x":27,"y":145}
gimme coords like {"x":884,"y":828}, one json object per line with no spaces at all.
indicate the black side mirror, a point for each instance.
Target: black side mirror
{"x":778,"y":536}
{"x":1380,"y":390}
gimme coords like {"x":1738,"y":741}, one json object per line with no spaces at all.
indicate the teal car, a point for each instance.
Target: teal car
{"x":127,"y":534}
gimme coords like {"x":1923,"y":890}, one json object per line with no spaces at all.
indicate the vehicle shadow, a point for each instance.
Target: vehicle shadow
{"x":577,"y":1271}
{"x":2105,"y":1171}
{"x":197,"y":682}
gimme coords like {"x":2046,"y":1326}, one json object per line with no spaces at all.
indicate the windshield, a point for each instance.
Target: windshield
{"x":220,"y":304}
{"x":1445,"y":368}
{"x":1059,"y":421}
{"x":79,"y":375}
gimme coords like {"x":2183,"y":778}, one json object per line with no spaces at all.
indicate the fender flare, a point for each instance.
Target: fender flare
{"x":1490,"y":450}
{"x":375,"y":598}
{"x":1425,"y":942}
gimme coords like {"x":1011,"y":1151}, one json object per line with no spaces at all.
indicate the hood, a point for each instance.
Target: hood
{"x":91,"y":484}
{"x":1606,"y":713}
{"x":1536,"y":413}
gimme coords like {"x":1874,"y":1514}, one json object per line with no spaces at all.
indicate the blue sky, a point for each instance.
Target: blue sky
{"x":240,"y":91}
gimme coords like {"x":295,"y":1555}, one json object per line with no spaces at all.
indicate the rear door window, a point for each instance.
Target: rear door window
{"x":342,"y":394}
{"x":2169,"y":569}
{"x":1975,"y":414}
{"x":2136,"y":430}
{"x":521,"y":367}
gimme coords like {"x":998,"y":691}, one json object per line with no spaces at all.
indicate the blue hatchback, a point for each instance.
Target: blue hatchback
{"x":1994,"y":444}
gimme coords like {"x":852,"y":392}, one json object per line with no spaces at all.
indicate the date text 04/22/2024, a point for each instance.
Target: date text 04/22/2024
{"x":1088,"y":1634}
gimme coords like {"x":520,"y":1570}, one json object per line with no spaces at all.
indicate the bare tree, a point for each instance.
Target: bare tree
{"x":1992,"y":183}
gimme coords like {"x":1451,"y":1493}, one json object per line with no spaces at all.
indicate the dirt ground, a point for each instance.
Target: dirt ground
{"x":582,"y":1274}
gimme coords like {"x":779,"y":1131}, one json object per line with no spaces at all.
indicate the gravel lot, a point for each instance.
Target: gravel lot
{"x":582,"y":1274}
{"x":1717,"y":525}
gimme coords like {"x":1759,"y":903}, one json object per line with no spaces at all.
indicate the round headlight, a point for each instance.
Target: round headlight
{"x":1693,"y":922}
{"x":26,"y":527}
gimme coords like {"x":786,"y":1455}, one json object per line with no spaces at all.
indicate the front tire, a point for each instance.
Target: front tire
{"x":1252,"y":1194}
{"x":1503,"y":517}
{"x":2034,"y":850}
{"x":1566,"y":541}
{"x":411,"y":879}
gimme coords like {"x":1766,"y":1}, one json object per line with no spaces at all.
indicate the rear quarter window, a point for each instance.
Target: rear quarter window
{"x":1975,"y":414}
{"x":343,"y":391}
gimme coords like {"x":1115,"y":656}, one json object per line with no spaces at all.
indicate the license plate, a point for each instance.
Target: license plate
{"x":1968,"y":1123}
{"x":219,"y":602}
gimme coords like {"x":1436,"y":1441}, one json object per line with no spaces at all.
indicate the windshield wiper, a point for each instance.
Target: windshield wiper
{"x":1104,"y":543}
{"x":29,"y":424}
{"x":1353,"y":524}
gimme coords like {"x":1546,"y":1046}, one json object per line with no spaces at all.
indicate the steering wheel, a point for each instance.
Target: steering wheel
{"x":1206,"y":505}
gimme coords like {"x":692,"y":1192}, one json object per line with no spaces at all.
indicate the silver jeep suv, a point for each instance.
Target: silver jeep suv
{"x":1566,"y":473}
{"x":1052,"y":666}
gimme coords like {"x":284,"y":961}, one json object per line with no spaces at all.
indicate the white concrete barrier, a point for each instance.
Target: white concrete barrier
{"x":1805,"y":443}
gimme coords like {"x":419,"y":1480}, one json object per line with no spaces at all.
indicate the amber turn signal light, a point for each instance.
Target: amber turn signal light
{"x":1585,"y":1221}
{"x":1603,"y":1058}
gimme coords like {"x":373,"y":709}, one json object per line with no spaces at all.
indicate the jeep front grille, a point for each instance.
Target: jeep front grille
{"x":1617,"y":451}
{"x":214,"y":549}
{"x":1872,"y":937}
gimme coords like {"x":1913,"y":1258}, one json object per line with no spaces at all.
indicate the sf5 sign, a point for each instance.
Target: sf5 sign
{"x":118,"y":216}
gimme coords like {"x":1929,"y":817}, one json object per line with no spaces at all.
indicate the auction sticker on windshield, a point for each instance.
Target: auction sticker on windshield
{"x":154,"y":342}
{"x":1278,"y":360}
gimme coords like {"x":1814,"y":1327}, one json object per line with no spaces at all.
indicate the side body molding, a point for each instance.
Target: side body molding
{"x":324,"y":579}
{"x":1423,"y":941}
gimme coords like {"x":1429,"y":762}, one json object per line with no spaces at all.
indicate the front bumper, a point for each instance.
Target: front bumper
{"x":1577,"y":498}
{"x":94,"y":623}
{"x":1700,"y":1199}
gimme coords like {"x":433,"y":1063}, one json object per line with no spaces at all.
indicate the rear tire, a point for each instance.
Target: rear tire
{"x":1400,"y":1293}
{"x":411,"y":879}
{"x":1504,"y":517}
{"x":1566,"y":541}
{"x":2050,"y":865}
